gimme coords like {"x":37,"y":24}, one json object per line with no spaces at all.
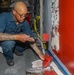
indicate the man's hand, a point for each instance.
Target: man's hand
{"x":24,"y":38}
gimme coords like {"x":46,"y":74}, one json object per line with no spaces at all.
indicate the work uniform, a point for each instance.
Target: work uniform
{"x":8,"y":25}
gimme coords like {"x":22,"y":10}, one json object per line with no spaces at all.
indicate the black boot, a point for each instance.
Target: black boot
{"x":18,"y":53}
{"x":10,"y":62}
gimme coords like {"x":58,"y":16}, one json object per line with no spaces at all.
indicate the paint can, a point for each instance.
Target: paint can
{"x":34,"y":71}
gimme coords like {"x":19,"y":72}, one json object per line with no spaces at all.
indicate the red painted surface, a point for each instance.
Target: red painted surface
{"x":45,"y":37}
{"x":66,"y":30}
{"x":28,"y":17}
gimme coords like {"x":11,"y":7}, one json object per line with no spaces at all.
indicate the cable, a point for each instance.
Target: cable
{"x":43,"y":44}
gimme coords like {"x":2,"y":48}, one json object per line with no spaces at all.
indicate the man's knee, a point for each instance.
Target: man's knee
{"x":8,"y":44}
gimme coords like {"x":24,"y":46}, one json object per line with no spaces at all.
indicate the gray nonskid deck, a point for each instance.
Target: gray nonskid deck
{"x":21,"y":63}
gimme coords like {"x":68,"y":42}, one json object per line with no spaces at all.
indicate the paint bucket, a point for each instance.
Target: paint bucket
{"x":40,"y":71}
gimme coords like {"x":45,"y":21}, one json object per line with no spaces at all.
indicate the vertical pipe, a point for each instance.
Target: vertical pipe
{"x":41,"y":18}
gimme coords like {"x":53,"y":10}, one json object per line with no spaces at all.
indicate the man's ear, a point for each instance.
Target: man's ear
{"x":13,"y":11}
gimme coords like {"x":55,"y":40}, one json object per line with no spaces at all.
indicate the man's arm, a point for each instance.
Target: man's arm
{"x":37,"y":50}
{"x":19,"y":37}
{"x":4,"y":36}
